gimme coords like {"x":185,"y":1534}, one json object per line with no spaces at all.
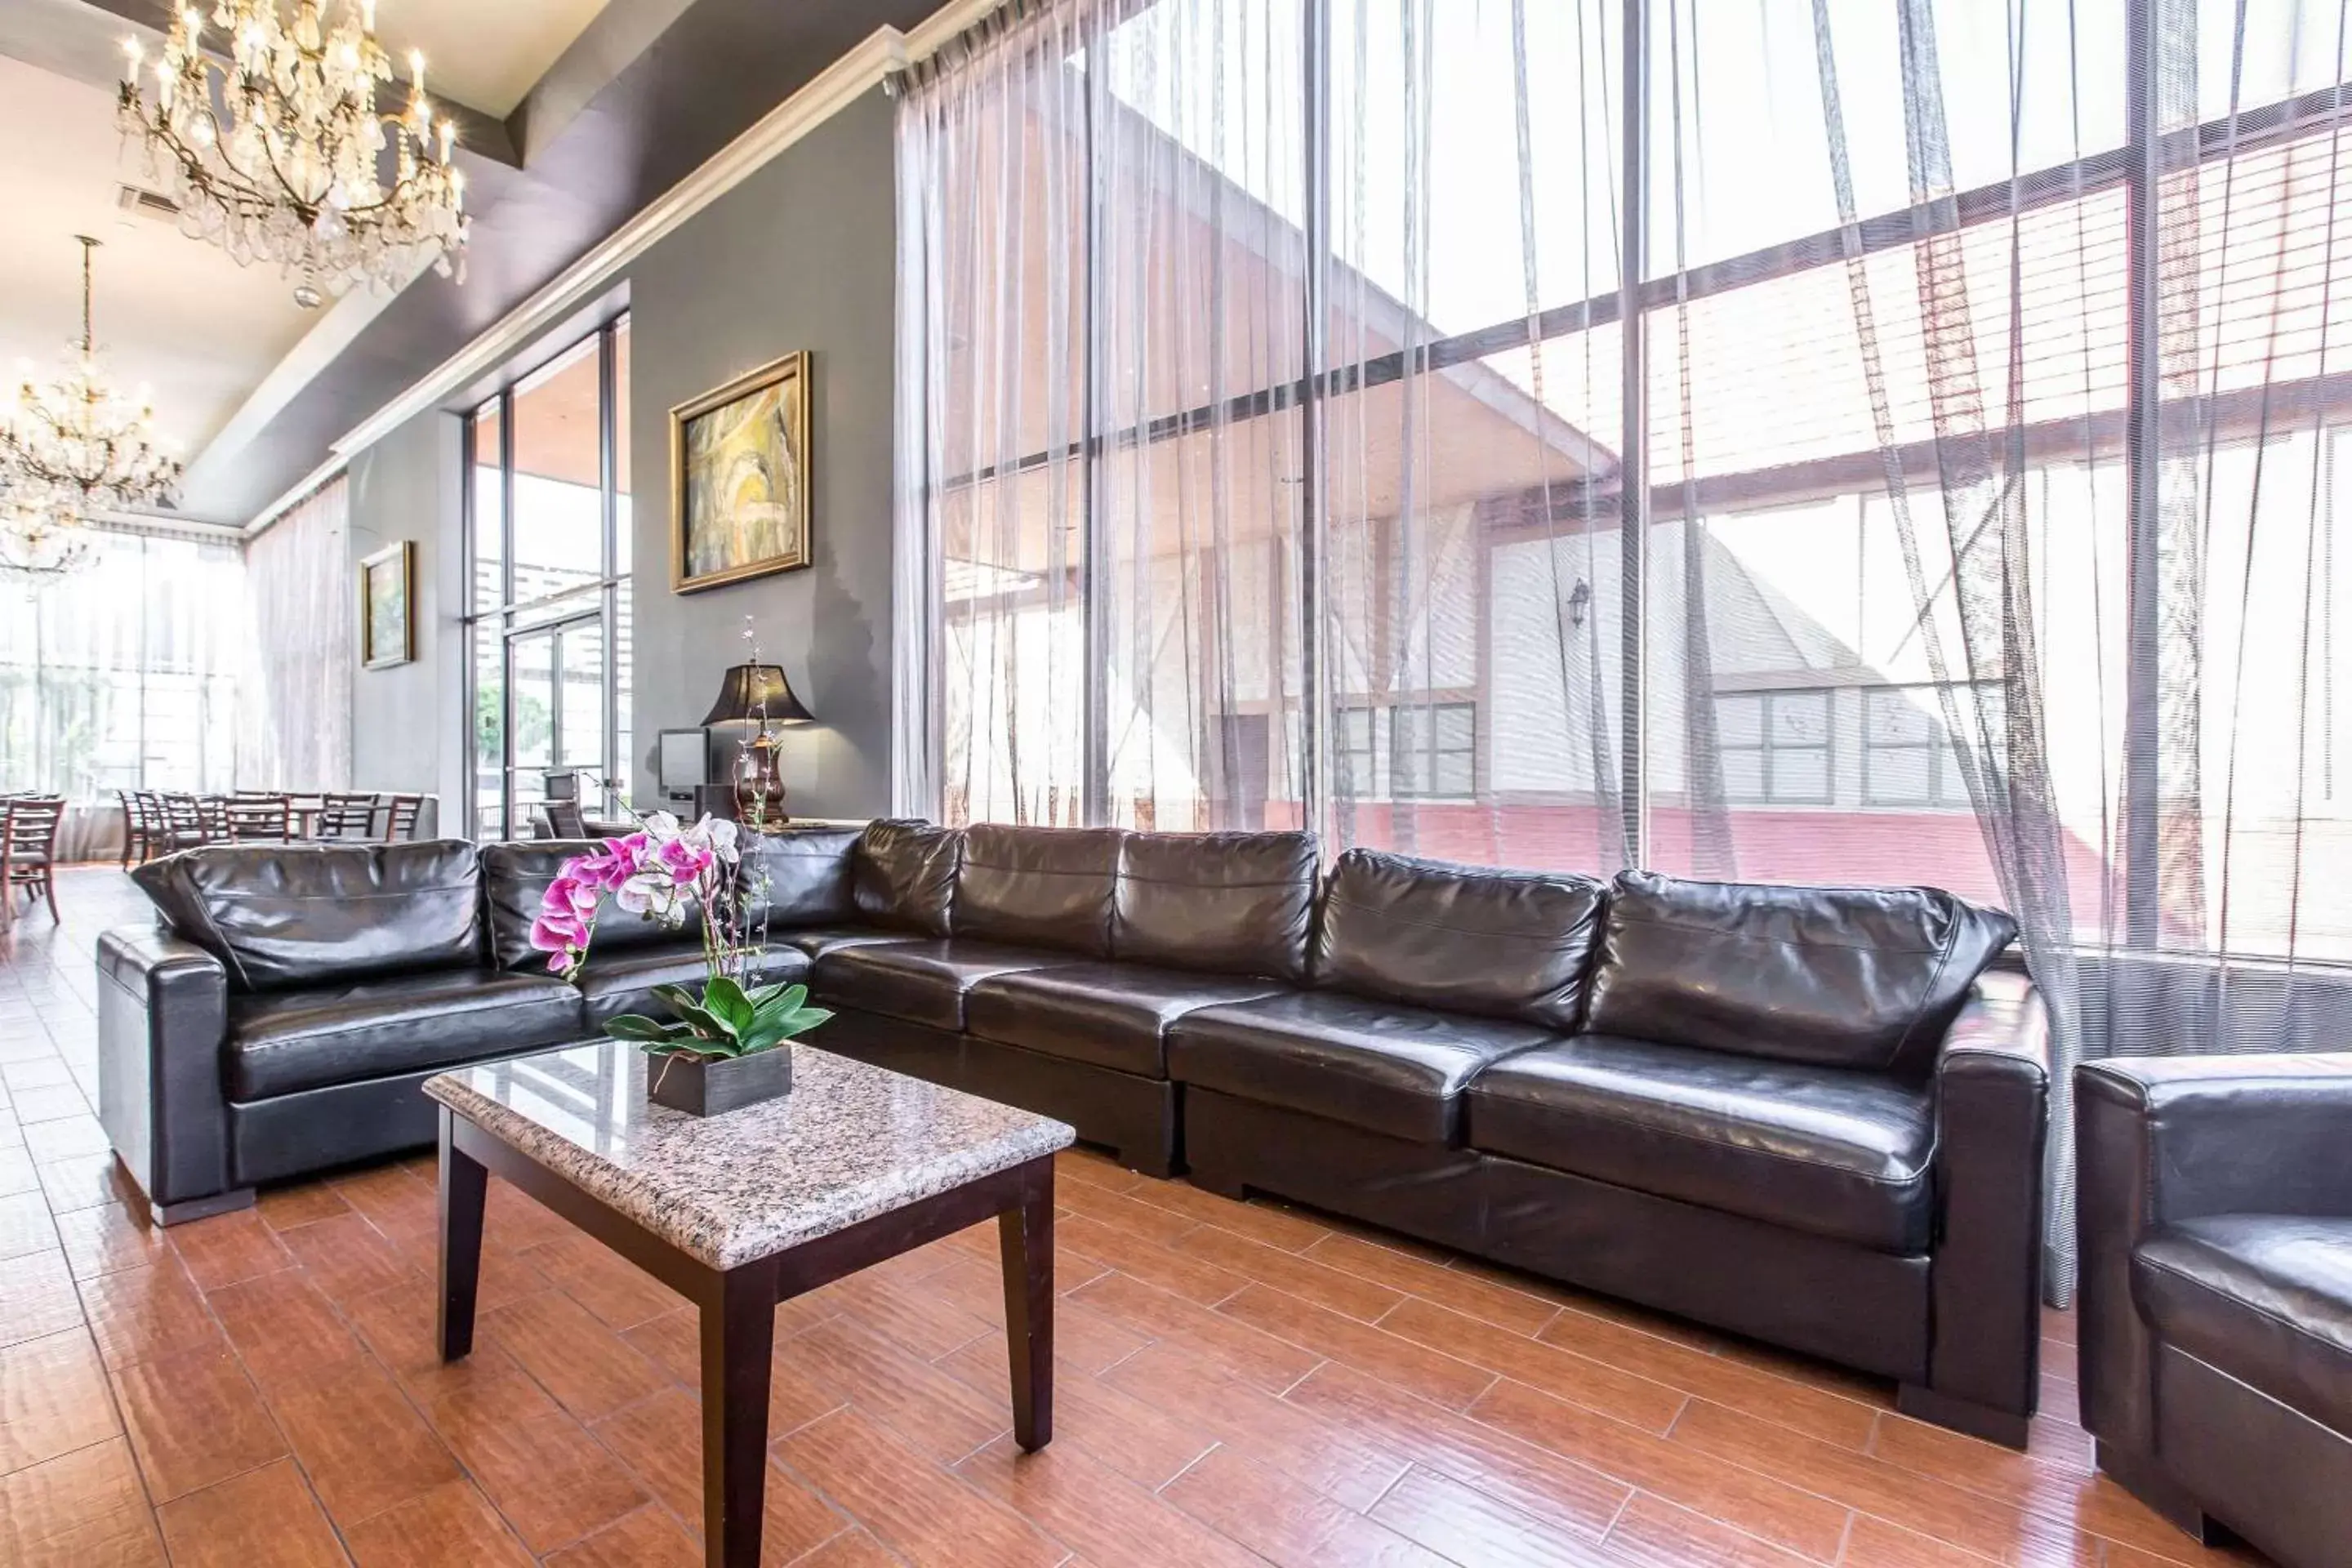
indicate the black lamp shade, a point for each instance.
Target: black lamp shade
{"x":755,"y":691}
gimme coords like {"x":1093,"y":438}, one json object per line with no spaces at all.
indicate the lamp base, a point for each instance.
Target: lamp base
{"x":758,"y":787}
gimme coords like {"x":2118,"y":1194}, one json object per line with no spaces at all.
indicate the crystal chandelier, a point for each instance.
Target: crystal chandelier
{"x":278,"y":155}
{"x":39,"y":546}
{"x":73,"y":448}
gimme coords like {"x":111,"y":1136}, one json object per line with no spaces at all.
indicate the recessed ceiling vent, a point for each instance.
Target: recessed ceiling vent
{"x":137,"y":203}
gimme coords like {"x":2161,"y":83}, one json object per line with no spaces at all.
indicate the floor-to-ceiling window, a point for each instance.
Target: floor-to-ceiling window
{"x":1289,"y":460}
{"x":124,"y":675}
{"x":547,"y":515}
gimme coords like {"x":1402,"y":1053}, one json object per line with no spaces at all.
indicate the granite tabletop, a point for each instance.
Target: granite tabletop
{"x":849,"y":1142}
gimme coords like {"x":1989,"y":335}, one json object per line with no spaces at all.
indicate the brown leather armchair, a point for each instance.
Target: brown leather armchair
{"x":2216,"y":1309}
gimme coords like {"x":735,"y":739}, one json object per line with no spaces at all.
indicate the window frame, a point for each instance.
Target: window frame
{"x":1765,"y":745}
{"x":1373,"y":764}
{"x":1943,"y":753}
{"x":509,"y":616}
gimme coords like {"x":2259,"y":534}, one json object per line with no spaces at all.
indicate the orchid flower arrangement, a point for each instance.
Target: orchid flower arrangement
{"x":665,"y":871}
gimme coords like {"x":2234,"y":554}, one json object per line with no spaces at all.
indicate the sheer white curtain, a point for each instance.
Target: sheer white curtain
{"x":122,"y":675}
{"x":1102,"y":326}
{"x":1912,"y":457}
{"x":294,"y":720}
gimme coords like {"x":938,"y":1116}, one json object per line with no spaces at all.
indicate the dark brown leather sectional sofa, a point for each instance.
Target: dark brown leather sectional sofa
{"x":1810,"y":1115}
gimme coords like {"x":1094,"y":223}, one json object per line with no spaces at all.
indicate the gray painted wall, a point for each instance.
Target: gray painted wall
{"x":800,"y":256}
{"x":405,"y":730}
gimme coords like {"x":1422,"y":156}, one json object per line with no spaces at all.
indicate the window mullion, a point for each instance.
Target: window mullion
{"x":1314,"y":665}
{"x":2142,"y":363}
{"x":1634,"y":465}
{"x":1094,"y":740}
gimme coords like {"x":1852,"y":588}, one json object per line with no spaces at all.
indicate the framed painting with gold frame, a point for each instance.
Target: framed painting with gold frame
{"x":738,"y":476}
{"x":388,"y":606}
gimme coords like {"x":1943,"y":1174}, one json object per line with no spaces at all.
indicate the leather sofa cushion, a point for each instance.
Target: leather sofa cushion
{"x":917,"y":981}
{"x":2265,"y":1297}
{"x":801,"y":877}
{"x":282,"y":916}
{"x":1370,"y":1064}
{"x":1842,"y":1154}
{"x":1109,"y":1014}
{"x":286,"y":1041}
{"x":1853,"y":977}
{"x":1461,"y":939}
{"x":1045,"y":886}
{"x":903,"y":875}
{"x":817,"y":940}
{"x":514,"y":876}
{"x":614,"y":984}
{"x":1229,"y":904}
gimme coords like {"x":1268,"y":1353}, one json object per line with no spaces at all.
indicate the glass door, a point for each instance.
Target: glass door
{"x":556,"y":714}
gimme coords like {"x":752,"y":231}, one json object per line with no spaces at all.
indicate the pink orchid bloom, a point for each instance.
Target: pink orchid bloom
{"x":685,"y":861}
{"x":570,"y":896}
{"x":557,"y":934}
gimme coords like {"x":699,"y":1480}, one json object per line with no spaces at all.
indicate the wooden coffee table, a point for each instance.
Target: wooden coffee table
{"x":740,"y":1212}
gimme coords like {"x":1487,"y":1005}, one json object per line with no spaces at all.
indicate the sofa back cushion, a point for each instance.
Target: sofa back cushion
{"x":1231,"y":903}
{"x":514,"y":876}
{"x":1461,"y":939}
{"x":903,"y":875}
{"x":1040,"y":887}
{"x":280,"y":916}
{"x":800,"y":878}
{"x":1866,"y":978}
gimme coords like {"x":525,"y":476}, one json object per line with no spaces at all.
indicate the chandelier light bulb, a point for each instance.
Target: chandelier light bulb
{"x":298,"y":165}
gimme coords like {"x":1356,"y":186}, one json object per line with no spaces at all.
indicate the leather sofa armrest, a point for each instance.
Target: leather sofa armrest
{"x":162,"y":1014}
{"x":2163,"y":1139}
{"x":1993,"y":1109}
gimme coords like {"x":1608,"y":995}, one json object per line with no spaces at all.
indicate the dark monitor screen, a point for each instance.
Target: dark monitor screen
{"x":684,"y":759}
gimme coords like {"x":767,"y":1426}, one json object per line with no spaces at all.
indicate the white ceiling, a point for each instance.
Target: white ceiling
{"x":486,"y":54}
{"x":173,"y":313}
{"x":176,"y":315}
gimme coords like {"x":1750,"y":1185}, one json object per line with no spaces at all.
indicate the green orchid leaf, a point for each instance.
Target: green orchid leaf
{"x":637,"y":1027}
{"x":724,"y":999}
{"x":705,"y":1024}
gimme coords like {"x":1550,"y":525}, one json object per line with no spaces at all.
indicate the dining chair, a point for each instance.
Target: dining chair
{"x":134,"y":826}
{"x":346,"y":816}
{"x":258,"y":818}
{"x":401,"y":819}
{"x":28,"y":848}
{"x":182,"y":823}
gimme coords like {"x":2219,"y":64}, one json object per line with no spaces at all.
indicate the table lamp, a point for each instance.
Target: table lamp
{"x":758,"y":695}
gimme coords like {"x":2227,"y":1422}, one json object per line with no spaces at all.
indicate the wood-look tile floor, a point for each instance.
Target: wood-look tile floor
{"x":1238,"y":1384}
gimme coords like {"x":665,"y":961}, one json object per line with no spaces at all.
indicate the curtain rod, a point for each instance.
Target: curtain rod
{"x":959,"y":49}
{"x":286,"y":511}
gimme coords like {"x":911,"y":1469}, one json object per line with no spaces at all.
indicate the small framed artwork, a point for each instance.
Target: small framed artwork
{"x":739,"y":465}
{"x":388,"y":606}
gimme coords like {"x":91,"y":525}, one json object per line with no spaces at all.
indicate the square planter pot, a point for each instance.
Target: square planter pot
{"x":701,"y":1086}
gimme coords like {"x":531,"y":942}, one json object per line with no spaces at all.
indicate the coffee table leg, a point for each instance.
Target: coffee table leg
{"x":1026,"y":1243}
{"x":739,"y":1331}
{"x":463,"y":1185}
